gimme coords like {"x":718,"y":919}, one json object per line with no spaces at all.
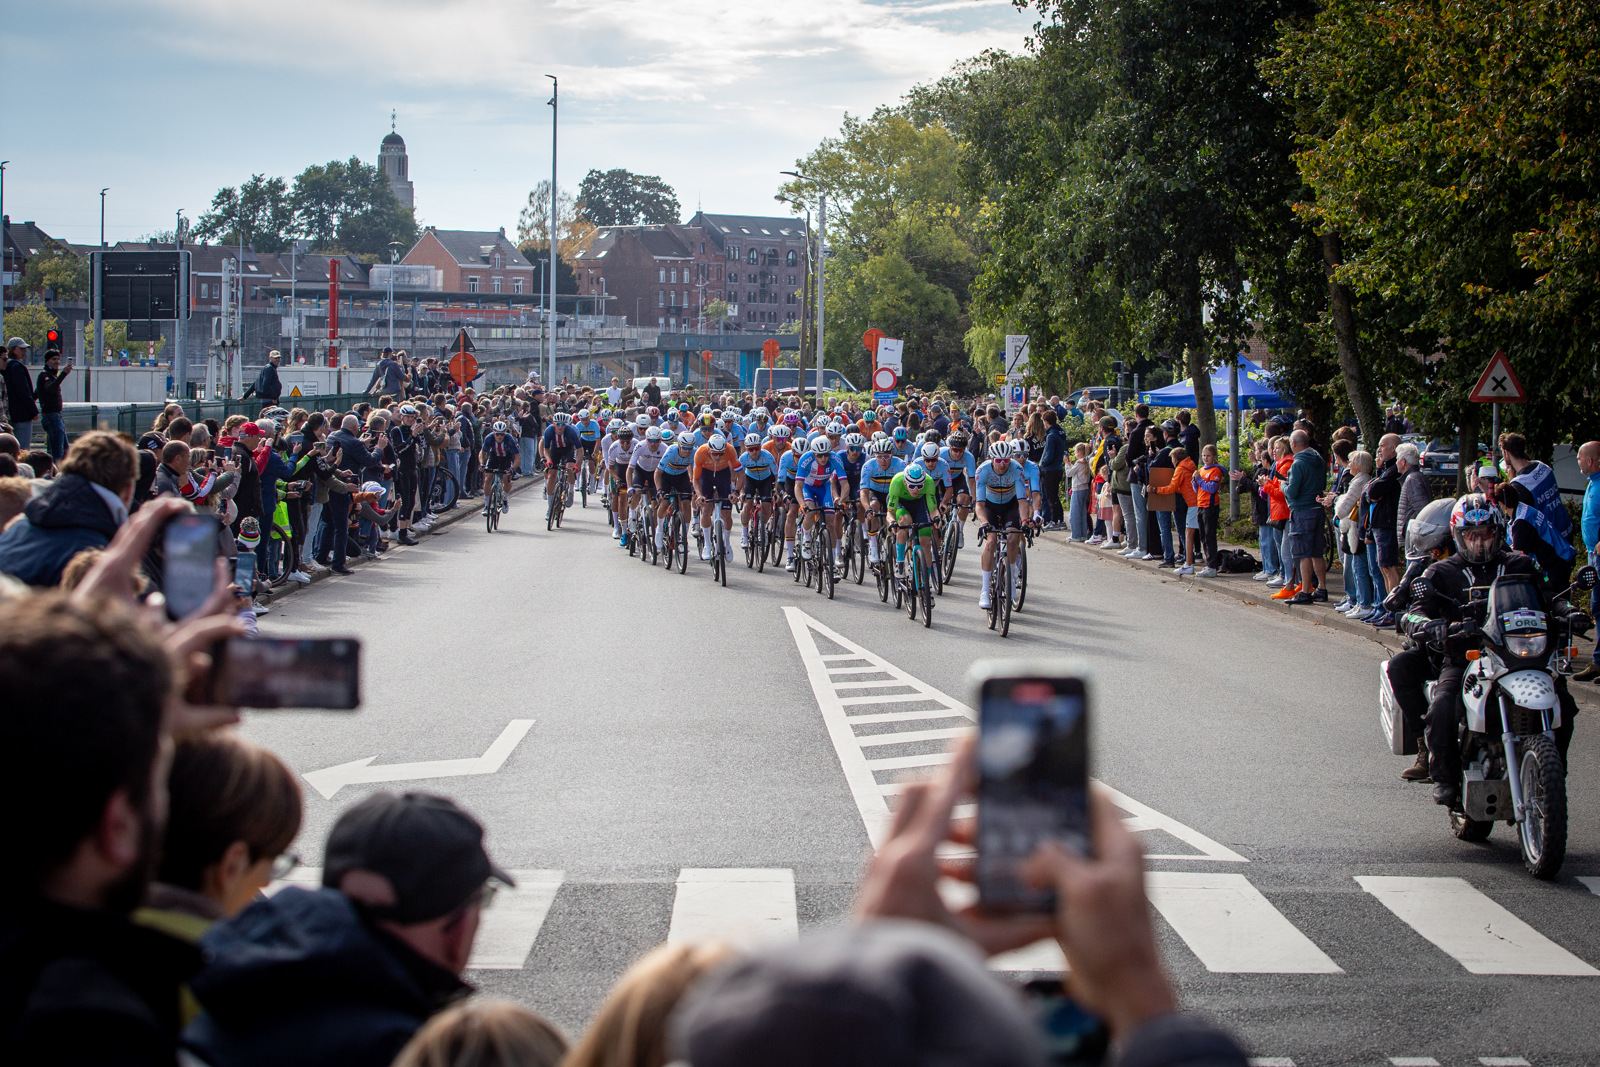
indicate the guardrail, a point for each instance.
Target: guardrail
{"x":135,"y":418}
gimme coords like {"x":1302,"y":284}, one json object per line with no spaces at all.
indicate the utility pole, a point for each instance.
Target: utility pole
{"x":3,"y":163}
{"x":180,"y":351}
{"x":555,"y":93}
{"x":393,"y":253}
{"x":821,"y":270}
{"x":103,"y":193}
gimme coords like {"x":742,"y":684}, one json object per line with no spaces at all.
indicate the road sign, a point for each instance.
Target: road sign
{"x":141,"y":285}
{"x":871,"y":339}
{"x":885,"y":380}
{"x":1498,"y":384}
{"x":1016,"y":360}
{"x":769,"y":348}
{"x":891,"y":352}
{"x":463,"y":367}
{"x":885,"y":396}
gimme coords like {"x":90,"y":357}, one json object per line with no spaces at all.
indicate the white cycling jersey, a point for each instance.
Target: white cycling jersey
{"x":618,"y":452}
{"x":646,"y":459}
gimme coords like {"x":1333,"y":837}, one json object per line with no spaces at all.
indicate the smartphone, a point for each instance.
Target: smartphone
{"x":1033,"y":772}
{"x":1072,"y":1036}
{"x":189,"y":569}
{"x":286,"y":672}
{"x":244,"y":572}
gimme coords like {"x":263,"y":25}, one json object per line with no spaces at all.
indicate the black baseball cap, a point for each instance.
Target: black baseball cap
{"x":429,"y":849}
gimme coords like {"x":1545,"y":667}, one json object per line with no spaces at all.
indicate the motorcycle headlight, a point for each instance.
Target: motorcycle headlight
{"x":1525,"y":644}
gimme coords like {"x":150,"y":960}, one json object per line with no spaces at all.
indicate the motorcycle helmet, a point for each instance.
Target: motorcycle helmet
{"x":1477,"y":526}
{"x":1429,"y":529}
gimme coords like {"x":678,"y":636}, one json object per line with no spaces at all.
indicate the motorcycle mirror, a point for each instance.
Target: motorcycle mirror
{"x":1588,"y":578}
{"x":1422,"y":588}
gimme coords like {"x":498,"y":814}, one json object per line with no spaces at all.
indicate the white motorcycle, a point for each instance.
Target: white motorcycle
{"x":1512,"y":768}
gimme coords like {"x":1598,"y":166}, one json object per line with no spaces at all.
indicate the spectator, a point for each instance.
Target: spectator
{"x":1138,"y":443}
{"x":1282,"y":461}
{"x":652,"y":393}
{"x":1589,"y":531}
{"x":1383,"y":498}
{"x":1414,"y":489}
{"x":347,"y":974}
{"x":1308,"y":540}
{"x":387,"y":377}
{"x":15,"y":492}
{"x":1343,"y":445}
{"x":47,"y":393}
{"x":485,"y":1033}
{"x":172,"y":476}
{"x":1347,"y":513}
{"x":630,"y":1028}
{"x":1079,"y":491}
{"x":267,"y":386}
{"x":1052,"y":470}
{"x":1207,"y":481}
{"x":21,"y":408}
{"x":81,"y":509}
{"x":1121,"y":490}
{"x":1187,"y":516}
{"x":1188,"y":434}
{"x":1162,"y":461}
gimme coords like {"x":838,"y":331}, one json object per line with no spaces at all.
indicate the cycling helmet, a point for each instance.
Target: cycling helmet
{"x":881,"y":447}
{"x":668,"y":437}
{"x":707,"y":420}
{"x":654,"y":412}
{"x":930,"y":451}
{"x":761,"y":413}
{"x":835,"y":428}
{"x":561,"y":418}
{"x":780,"y":431}
{"x":405,"y":409}
{"x":643,"y":421}
{"x":613,"y":426}
{"x":1000,"y":451}
{"x":653,"y":434}
{"x":958,"y":440}
{"x":914,"y":476}
{"x":624,"y":432}
{"x":500,"y":427}
{"x":583,"y":413}
{"x":854,"y":441}
{"x":798,"y":444}
{"x":820,"y":446}
{"x":879,"y":435}
{"x":607,"y":413}
{"x":1477,"y":526}
{"x":752,"y":440}
{"x":718,"y":442}
{"x":901,"y":433}
{"x":791,"y":418}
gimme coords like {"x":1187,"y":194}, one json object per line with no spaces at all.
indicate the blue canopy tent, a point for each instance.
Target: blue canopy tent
{"x":1255,"y":391}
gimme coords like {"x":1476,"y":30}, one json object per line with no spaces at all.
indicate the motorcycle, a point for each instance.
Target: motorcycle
{"x":1512,"y":768}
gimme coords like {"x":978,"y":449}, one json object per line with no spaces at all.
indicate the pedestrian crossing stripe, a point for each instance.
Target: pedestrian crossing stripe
{"x":848,"y":688}
{"x":747,"y":908}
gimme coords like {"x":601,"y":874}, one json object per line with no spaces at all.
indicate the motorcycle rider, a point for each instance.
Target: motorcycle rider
{"x":1478,"y":530}
{"x":1410,"y":671}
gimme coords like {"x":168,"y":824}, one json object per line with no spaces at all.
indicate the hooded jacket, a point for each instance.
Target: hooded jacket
{"x":300,"y":978}
{"x":65,"y":519}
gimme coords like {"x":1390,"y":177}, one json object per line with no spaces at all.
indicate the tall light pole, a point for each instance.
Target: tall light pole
{"x":822,"y":267}
{"x":394,"y":251}
{"x":180,"y":353}
{"x":103,"y":193}
{"x":3,"y":256}
{"x":555,"y":92}
{"x":805,"y":294}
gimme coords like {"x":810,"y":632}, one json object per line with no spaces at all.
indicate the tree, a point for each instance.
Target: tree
{"x":350,"y":207}
{"x":57,"y":273}
{"x":622,"y":198}
{"x":116,"y":340}
{"x":572,"y":225}
{"x":31,"y":321}
{"x":261,"y":208}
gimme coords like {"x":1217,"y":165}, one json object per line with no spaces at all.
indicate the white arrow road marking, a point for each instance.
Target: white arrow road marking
{"x":1592,"y":882}
{"x":330,"y":780}
{"x":835,"y":684}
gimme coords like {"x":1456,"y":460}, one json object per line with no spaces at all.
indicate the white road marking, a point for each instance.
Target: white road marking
{"x":1472,"y":929}
{"x":1592,"y":882}
{"x":745,"y":907}
{"x":1503,"y":1061}
{"x":1271,"y":1061}
{"x":1413,"y":1061}
{"x":507,"y":929}
{"x":330,"y":780}
{"x":830,"y":681}
{"x":510,"y":925}
{"x":1232,"y":927}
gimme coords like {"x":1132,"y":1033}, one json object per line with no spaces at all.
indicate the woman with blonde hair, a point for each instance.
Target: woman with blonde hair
{"x":484,"y":1033}
{"x":630,"y":1029}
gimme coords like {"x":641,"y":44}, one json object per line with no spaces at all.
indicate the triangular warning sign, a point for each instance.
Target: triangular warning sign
{"x":463,"y":342}
{"x":295,"y":391}
{"x":1498,"y":384}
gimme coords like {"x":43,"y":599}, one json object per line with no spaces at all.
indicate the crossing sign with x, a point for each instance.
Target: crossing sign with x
{"x":1498,"y":384}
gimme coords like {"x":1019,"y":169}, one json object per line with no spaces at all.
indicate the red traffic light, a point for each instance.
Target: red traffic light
{"x":52,"y":336}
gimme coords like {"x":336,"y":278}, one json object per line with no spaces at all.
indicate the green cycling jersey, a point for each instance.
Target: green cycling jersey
{"x":900,"y":496}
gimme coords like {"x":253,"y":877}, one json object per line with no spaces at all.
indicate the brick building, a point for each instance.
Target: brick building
{"x":666,"y":275}
{"x":473,"y":261}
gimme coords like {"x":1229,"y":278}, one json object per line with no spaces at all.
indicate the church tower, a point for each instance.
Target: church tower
{"x":392,"y":161}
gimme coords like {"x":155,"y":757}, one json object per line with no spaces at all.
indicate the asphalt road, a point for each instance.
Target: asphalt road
{"x":692,"y":751}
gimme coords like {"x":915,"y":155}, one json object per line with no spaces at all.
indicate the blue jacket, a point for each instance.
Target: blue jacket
{"x":278,"y":469}
{"x":1307,"y":477}
{"x":1055,"y":450}
{"x":388,"y":373}
{"x":300,"y":978}
{"x":1591,"y":512}
{"x":356,"y":459}
{"x":65,"y":519}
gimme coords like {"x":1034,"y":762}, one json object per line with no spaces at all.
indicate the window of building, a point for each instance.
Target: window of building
{"x":788,"y":316}
{"x":661,"y":274}
{"x":674,"y":275}
{"x":733,"y":252}
{"x":788,"y":298}
{"x":499,"y":262}
{"x":497,"y":281}
{"x":516,"y":285}
{"x":789,"y":260}
{"x":754,"y":257}
{"x":661,"y":323}
{"x":661,"y":298}
{"x":472,"y":285}
{"x":702,"y":248}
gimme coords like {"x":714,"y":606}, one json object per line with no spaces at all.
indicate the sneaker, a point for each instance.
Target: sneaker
{"x":983,"y":600}
{"x":299,"y":576}
{"x":1303,"y":598}
{"x":1186,"y":569}
{"x":1275,"y":581}
{"x":1096,"y":541}
{"x":1355,"y":611}
{"x":1288,"y":592}
{"x":1383,"y":621}
{"x":1166,"y":564}
{"x":259,"y":609}
{"x":1209,"y":572}
{"x":1147,"y":556}
{"x":1261,"y":576}
{"x":1344,"y":605}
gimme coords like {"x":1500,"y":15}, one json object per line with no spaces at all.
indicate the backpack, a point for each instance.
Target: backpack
{"x":1237,"y":561}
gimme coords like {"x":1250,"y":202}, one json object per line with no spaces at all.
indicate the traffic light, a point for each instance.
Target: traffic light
{"x":52,"y":343}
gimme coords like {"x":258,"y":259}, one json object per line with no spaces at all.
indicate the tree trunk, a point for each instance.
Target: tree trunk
{"x":1362,"y":398}
{"x":1196,"y":361}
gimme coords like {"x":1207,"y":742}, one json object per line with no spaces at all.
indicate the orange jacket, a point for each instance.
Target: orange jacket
{"x":1277,"y":504}
{"x":1182,"y":482}
{"x":1212,"y":473}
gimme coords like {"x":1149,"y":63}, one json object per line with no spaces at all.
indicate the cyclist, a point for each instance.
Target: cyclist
{"x":760,"y":480}
{"x":793,"y":446}
{"x":902,"y":443}
{"x":559,"y":447}
{"x":913,"y":496}
{"x":588,"y":434}
{"x":714,"y":467}
{"x":961,"y":473}
{"x":672,"y":476}
{"x":999,"y":486}
{"x":877,"y":475}
{"x":497,"y":458}
{"x":761,"y":422}
{"x":618,"y":457}
{"x":816,"y":474}
{"x":642,"y":469}
{"x":1033,"y":499}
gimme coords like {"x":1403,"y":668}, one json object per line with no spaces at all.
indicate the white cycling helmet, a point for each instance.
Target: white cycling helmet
{"x":583,"y":413}
{"x":879,"y":435}
{"x":607,"y":413}
{"x":561,"y":418}
{"x":854,"y":441}
{"x":780,"y":431}
{"x":718,"y":442}
{"x":653,"y":434}
{"x":613,"y":426}
{"x":914,"y":476}
{"x":798,"y":444}
{"x":820,"y":446}
{"x":500,"y":427}
{"x":930,"y":451}
{"x":752,"y":440}
{"x":835,"y":428}
{"x":642,"y":421}
{"x":881,"y":446}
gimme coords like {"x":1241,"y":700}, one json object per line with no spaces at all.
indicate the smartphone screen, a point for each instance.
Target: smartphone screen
{"x":287,"y":672}
{"x":1033,"y":784}
{"x":244,"y":572}
{"x":189,"y":548}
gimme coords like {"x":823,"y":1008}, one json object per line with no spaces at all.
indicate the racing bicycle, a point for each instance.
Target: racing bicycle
{"x":495,"y":502}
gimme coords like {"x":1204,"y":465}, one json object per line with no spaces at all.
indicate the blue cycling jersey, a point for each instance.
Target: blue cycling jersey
{"x":502,"y":444}
{"x":788,"y":466}
{"x":1030,"y":469}
{"x":996,"y":487}
{"x":878,"y":477}
{"x":679,"y":458}
{"x":760,"y":466}
{"x":852,"y":467}
{"x":967,"y":464}
{"x":902,"y":449}
{"x":814,"y":469}
{"x":589,"y":431}
{"x":569,"y":438}
{"x":937,"y":469}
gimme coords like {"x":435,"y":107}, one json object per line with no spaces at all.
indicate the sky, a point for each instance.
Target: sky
{"x":166,"y":101}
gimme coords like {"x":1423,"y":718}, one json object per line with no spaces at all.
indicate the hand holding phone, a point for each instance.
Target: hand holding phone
{"x":286,"y":673}
{"x":189,"y":565}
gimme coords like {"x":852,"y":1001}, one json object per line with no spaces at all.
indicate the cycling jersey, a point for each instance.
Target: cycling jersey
{"x":645,"y":459}
{"x":902,"y":449}
{"x":678,"y":459}
{"x":588,"y":431}
{"x":566,"y":443}
{"x":996,"y":487}
{"x":702,"y":437}
{"x":818,"y":470}
{"x":852,"y":468}
{"x":938,"y":471}
{"x":877,"y":477}
{"x":500,"y":450}
{"x":788,"y":466}
{"x":1030,"y":470}
{"x":954,"y":466}
{"x":901,"y":498}
{"x":760,"y":467}
{"x":707,"y":460}
{"x":619,"y":453}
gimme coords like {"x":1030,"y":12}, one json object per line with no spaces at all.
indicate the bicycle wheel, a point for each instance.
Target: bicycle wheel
{"x":949,"y":561}
{"x":913,"y":594}
{"x":1003,"y":599}
{"x":683,"y":544}
{"x":859,"y":552}
{"x":824,"y":559}
{"x":550,"y":509}
{"x":1022,"y":575}
{"x":583,"y":485}
{"x":759,"y":539}
{"x":923,"y":567}
{"x":999,"y":575}
{"x":936,"y":571}
{"x":444,"y":492}
{"x":752,"y":546}
{"x":719,"y":552}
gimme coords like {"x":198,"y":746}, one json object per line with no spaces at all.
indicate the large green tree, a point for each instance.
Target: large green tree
{"x":257,"y":213}
{"x":619,"y":197}
{"x":341,"y":206}
{"x":56,"y":272}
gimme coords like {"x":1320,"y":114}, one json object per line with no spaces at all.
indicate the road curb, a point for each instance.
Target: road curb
{"x":356,"y":563}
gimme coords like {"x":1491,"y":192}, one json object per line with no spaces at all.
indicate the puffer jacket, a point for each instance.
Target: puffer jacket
{"x":60,"y":522}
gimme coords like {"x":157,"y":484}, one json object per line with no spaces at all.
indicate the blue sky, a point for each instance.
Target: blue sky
{"x":165,"y":101}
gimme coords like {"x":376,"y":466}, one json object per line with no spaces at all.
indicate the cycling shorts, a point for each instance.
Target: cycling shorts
{"x":881,"y":498}
{"x":642,"y":479}
{"x":854,"y":481}
{"x":499,"y":463}
{"x":676,"y":483}
{"x":619,"y":471}
{"x":1004,"y":516}
{"x":562,"y":455}
{"x":918,"y":510}
{"x":588,"y":448}
{"x":958,"y":482}
{"x":716,"y":485}
{"x":786,"y":488}
{"x":760,"y":488}
{"x":820,"y":495}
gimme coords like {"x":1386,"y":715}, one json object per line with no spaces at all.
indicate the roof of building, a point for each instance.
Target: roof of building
{"x":394,"y":138}
{"x":472,"y":248}
{"x":751,"y":227}
{"x":26,"y":239}
{"x":658,"y":241}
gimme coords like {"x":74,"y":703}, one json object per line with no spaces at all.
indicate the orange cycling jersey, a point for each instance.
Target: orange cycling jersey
{"x":707,"y":460}
{"x":777,"y":446}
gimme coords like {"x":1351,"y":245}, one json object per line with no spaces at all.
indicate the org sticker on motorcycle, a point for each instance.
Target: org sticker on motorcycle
{"x":1522,"y":619}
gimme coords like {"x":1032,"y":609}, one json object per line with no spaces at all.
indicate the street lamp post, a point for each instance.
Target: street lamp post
{"x":394,"y":251}
{"x":3,"y":256}
{"x":805,"y":301}
{"x":822,"y":267}
{"x":555,"y":93}
{"x":103,"y":193}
